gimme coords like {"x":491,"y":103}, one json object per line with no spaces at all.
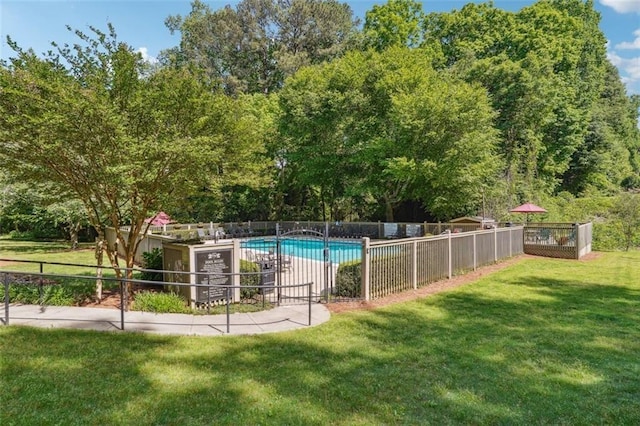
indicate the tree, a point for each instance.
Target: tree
{"x":389,"y":127}
{"x":627,"y":212}
{"x":23,"y":211}
{"x":396,"y":23}
{"x":544,"y":68}
{"x":252,"y":48}
{"x":71,"y":215}
{"x":92,"y":120}
{"x":604,"y":161}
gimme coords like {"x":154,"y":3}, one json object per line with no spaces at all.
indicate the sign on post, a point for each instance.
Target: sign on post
{"x":216,"y":264}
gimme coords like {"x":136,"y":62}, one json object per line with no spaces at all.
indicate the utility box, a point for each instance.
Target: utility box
{"x":206,"y":267}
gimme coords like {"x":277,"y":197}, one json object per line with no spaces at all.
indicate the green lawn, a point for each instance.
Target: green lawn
{"x":54,"y":251}
{"x":542,"y":342}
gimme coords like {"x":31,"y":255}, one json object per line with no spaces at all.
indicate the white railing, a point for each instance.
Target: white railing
{"x":394,"y":266}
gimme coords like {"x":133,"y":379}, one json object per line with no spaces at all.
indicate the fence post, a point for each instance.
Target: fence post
{"x":277,"y":282}
{"x":510,"y":242}
{"x":414,"y":266}
{"x":475,"y":252}
{"x":40,"y":289}
{"x":309,"y":297}
{"x":6,"y":298}
{"x":577,"y":231}
{"x":366,"y":266}
{"x":495,"y":245}
{"x":327,"y":264}
{"x":449,"y":256}
{"x":122,"y":304}
{"x":226,"y":294}
{"x":235,"y":278}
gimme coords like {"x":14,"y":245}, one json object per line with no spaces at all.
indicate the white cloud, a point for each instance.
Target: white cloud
{"x":146,"y":57}
{"x":629,"y":66}
{"x":623,"y":6}
{"x":635,"y":44}
{"x":629,"y":71}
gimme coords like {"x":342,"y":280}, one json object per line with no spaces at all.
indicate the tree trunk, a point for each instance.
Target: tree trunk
{"x":74,"y":229}
{"x":388,"y":210}
{"x":99,"y":259}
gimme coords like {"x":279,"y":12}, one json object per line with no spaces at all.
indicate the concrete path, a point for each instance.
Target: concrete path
{"x":281,"y":318}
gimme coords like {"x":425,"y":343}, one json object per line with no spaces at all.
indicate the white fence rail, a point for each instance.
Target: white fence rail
{"x":394,"y":266}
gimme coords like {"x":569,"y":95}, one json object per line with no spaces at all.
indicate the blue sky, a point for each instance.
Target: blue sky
{"x":140,"y":23}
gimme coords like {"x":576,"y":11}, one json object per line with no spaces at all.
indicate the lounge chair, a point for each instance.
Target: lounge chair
{"x":286,"y":262}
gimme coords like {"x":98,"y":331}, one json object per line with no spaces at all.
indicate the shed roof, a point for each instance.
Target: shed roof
{"x":473,"y":219}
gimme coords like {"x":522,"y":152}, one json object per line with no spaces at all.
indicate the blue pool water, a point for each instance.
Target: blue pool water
{"x":308,"y":248}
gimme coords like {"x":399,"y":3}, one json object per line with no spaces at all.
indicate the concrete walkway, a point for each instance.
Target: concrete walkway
{"x":281,"y":318}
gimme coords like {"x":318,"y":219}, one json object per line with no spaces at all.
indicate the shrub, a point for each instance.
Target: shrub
{"x":349,"y":279}
{"x":148,"y":301}
{"x":62,"y":293}
{"x":606,"y":237}
{"x":249,"y":280}
{"x":152,"y":260}
{"x":29,"y":294}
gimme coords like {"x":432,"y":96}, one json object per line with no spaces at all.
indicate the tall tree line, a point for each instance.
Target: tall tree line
{"x":310,"y":115}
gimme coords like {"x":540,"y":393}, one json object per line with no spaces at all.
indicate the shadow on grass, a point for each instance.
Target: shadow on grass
{"x":556,"y":352}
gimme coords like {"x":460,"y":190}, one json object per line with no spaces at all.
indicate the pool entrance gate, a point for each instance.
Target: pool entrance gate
{"x":299,"y":255}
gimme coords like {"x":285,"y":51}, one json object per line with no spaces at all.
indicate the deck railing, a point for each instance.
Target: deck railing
{"x":561,"y":240}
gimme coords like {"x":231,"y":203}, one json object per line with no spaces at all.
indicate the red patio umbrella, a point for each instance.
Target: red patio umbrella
{"x":161,"y":218}
{"x":528,"y":208}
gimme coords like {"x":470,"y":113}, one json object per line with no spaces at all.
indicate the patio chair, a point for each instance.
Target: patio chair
{"x":544,"y":235}
{"x":251,"y":256}
{"x":286,"y":263}
{"x":219,"y":233}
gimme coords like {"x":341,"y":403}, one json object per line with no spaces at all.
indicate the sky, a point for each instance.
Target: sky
{"x":140,"y":23}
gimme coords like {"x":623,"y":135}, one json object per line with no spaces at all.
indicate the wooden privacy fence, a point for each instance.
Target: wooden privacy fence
{"x":394,"y":266}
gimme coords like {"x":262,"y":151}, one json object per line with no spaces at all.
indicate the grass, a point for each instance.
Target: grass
{"x":76,"y":290}
{"x":71,"y":290}
{"x":49,"y":251}
{"x":542,"y":342}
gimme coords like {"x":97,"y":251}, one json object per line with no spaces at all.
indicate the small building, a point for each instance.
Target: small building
{"x":478,"y":222}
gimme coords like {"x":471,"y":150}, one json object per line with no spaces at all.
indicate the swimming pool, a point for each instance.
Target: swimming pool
{"x":340,"y":251}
